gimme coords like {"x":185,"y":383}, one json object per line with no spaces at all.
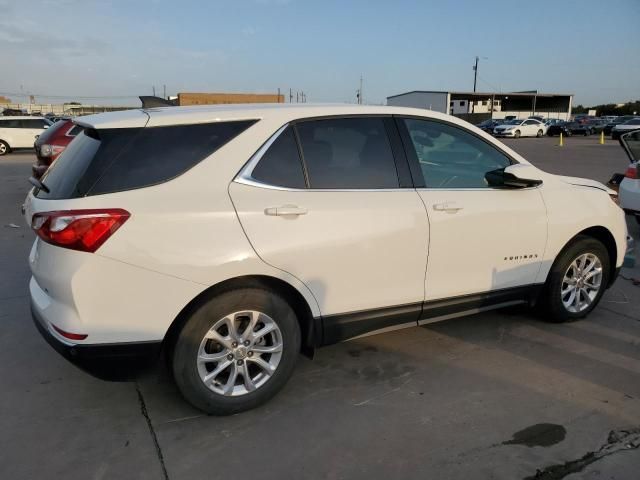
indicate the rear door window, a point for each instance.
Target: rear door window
{"x":347,"y":153}
{"x":112,"y":160}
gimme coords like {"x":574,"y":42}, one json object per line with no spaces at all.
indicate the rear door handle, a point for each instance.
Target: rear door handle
{"x":285,"y":210}
{"x":449,"y":207}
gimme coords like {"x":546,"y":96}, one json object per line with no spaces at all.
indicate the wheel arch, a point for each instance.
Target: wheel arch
{"x":603,"y":235}
{"x":310,"y":328}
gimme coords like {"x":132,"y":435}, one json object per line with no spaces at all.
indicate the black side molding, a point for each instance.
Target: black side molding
{"x":343,"y":326}
{"x":336,"y":328}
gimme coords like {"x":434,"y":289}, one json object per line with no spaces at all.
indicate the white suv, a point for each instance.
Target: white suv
{"x":235,"y":237}
{"x":20,"y":132}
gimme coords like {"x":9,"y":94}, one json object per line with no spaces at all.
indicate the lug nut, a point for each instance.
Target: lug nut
{"x":229,"y":357}
{"x":234,"y":344}
{"x":250,"y":354}
{"x":246,"y":343}
{"x":240,"y":362}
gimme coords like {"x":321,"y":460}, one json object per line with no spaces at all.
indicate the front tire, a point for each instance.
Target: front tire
{"x":577,"y":281}
{"x":516,"y":134}
{"x":4,"y":148}
{"x":236,"y":351}
{"x":539,"y":134}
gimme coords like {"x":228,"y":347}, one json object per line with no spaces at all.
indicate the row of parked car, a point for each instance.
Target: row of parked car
{"x":538,"y":127}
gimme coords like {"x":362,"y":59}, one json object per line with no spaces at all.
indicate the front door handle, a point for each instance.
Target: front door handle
{"x":285,"y":211}
{"x":449,"y":207}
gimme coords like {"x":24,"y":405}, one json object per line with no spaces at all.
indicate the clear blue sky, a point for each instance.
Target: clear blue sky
{"x":122,"y":48}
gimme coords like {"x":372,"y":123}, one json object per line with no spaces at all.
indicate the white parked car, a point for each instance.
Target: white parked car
{"x":20,"y":132}
{"x":630,"y":186}
{"x":529,"y":127}
{"x":233,"y":237}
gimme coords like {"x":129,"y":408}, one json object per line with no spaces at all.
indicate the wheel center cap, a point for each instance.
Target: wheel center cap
{"x":240,"y":353}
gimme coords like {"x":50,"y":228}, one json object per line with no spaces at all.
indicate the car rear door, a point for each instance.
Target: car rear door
{"x":482,"y":239}
{"x":29,"y":131}
{"x":330,"y":201}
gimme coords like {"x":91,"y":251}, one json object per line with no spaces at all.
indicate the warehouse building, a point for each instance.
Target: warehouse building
{"x":225,"y":98}
{"x":478,"y":106}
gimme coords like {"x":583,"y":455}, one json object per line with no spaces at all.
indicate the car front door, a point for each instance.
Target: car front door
{"x":530,"y":128}
{"x":483,"y":240}
{"x":331,"y":202}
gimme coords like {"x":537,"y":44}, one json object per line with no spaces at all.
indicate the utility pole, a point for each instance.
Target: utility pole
{"x":360,"y":92}
{"x":290,"y":95}
{"x":153,"y":87}
{"x":475,"y":74}
{"x":164,"y":91}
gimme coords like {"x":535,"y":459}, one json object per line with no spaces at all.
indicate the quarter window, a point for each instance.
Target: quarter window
{"x":348,"y":153}
{"x":281,"y":165}
{"x":450,"y":157}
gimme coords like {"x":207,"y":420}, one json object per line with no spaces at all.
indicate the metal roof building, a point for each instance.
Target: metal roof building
{"x":478,"y":106}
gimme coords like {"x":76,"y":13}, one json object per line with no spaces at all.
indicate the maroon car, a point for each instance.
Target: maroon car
{"x":51,"y":143}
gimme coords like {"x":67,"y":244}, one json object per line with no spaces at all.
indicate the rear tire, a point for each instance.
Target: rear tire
{"x":4,"y":148}
{"x":540,"y":133}
{"x":576,"y":282}
{"x":516,"y":134}
{"x":217,"y":347}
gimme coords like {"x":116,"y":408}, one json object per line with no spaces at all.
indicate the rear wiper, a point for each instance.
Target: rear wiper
{"x":38,"y":184}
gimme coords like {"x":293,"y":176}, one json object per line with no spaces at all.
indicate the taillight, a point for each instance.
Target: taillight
{"x":632,"y":172}
{"x":83,"y":230}
{"x":69,"y":335}
{"x":51,"y":150}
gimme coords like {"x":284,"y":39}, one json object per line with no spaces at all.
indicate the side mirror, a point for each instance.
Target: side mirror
{"x":514,"y":176}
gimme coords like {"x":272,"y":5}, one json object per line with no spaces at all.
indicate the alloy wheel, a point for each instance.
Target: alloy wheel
{"x":240,"y":353}
{"x":3,"y":148}
{"x":581,"y":283}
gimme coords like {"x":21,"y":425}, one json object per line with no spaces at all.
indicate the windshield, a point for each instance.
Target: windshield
{"x":514,"y":122}
{"x":635,"y":121}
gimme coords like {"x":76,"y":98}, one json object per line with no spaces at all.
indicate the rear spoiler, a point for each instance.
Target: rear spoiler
{"x":149,"y":101}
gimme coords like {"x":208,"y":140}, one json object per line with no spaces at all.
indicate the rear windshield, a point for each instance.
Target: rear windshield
{"x":112,"y":160}
{"x":49,"y":132}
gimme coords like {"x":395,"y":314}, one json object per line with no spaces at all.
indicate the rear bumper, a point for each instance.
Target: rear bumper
{"x":114,"y":361}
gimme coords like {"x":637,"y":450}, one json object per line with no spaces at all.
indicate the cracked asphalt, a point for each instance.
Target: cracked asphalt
{"x":499,"y":395}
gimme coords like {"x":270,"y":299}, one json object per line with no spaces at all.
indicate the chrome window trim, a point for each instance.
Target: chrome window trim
{"x":245,"y":177}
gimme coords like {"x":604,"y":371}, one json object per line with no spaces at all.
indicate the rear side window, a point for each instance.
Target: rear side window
{"x":281,"y":165}
{"x":74,"y":131}
{"x":33,"y":123}
{"x":10,"y":124}
{"x":112,"y":160}
{"x":348,"y":153}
